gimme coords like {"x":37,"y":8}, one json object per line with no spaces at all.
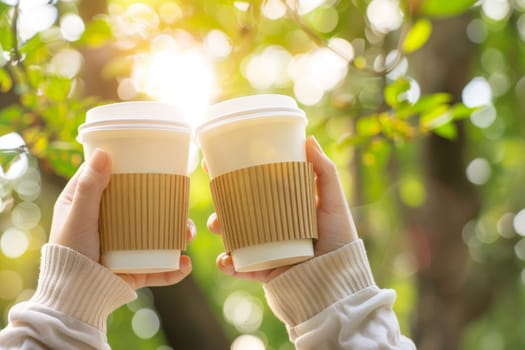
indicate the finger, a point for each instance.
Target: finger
{"x":329,"y":188}
{"x":69,"y":190}
{"x":137,"y":281}
{"x":331,"y":204}
{"x":213,"y":224}
{"x":225,"y":265}
{"x":191,"y":230}
{"x":91,"y":183}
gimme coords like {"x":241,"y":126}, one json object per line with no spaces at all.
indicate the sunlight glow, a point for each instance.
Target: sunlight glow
{"x":217,"y":44}
{"x":400,"y":69}
{"x":182,"y":78}
{"x":519,"y":222}
{"x":138,"y":20}
{"x":519,"y":249}
{"x":15,"y":166}
{"x":384,"y":15}
{"x":71,"y":26}
{"x":26,"y":215}
{"x":34,"y":19}
{"x":505,"y":225}
{"x":414,"y":92}
{"x":273,"y":9}
{"x":477,"y":31}
{"x":316,"y":72}
{"x":170,"y":12}
{"x":145,"y":323}
{"x":14,"y":243}
{"x":496,"y":9}
{"x":478,"y":171}
{"x":269,"y":68}
{"x":248,"y":342}
{"x":484,"y":117}
{"x":477,"y":93}
{"x":67,"y":63}
{"x":306,"y":6}
{"x":243,"y":311}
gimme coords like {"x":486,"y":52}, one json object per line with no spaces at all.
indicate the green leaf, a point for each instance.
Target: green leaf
{"x":56,"y":87}
{"x":460,"y":111}
{"x":424,"y":105}
{"x":368,"y":126}
{"x":65,"y":157}
{"x":352,"y":140}
{"x":97,"y":33}
{"x":417,"y":36}
{"x":5,"y":81}
{"x":442,"y":9}
{"x":412,"y":191}
{"x":10,"y":115}
{"x":6,"y":38}
{"x":35,"y":51}
{"x":435,"y":118}
{"x":429,"y":102}
{"x":394,"y":91}
{"x":35,"y":75}
{"x":448,"y":131}
{"x":360,"y":62}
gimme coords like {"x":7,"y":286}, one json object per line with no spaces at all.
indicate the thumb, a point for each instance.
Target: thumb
{"x":91,"y":184}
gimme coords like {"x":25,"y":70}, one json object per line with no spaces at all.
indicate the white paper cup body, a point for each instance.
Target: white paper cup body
{"x":250,"y":131}
{"x":139,"y":137}
{"x":250,"y":142}
{"x":141,"y":151}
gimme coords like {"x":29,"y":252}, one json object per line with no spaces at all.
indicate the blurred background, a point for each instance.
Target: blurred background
{"x":419,"y":102}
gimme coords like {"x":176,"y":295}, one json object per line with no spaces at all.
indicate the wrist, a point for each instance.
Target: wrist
{"x":79,"y":287}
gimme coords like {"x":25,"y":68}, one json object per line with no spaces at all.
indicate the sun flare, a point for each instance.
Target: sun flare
{"x":183,"y":78}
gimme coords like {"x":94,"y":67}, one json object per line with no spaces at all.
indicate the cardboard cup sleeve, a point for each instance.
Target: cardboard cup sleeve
{"x":144,"y":211}
{"x":266,"y":203}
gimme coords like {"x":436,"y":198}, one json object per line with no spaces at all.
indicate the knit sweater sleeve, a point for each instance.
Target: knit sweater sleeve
{"x":332,"y":302}
{"x":74,"y":296}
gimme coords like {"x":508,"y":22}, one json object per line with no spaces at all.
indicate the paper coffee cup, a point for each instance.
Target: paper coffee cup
{"x":144,"y":209}
{"x":262,"y":185}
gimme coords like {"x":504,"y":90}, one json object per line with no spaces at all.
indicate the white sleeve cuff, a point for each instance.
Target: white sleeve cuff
{"x":308,"y":288}
{"x":75,"y":285}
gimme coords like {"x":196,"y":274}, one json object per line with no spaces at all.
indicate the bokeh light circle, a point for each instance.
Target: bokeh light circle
{"x":14,"y":243}
{"x":145,"y":323}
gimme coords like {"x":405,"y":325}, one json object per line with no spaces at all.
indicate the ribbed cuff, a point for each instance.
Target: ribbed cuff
{"x":306,"y":289}
{"x":74,"y":284}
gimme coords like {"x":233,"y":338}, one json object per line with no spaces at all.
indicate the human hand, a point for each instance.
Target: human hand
{"x":334,"y":221}
{"x":75,"y":220}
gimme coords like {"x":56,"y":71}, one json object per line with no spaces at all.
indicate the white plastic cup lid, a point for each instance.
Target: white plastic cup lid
{"x":134,"y":115}
{"x":249,"y":107}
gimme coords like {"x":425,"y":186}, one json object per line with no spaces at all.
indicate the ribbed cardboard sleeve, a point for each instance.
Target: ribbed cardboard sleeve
{"x":144,"y":212}
{"x":266,"y":203}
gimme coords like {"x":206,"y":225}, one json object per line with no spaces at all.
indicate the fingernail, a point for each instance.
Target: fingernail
{"x":222,"y":260}
{"x":227,"y":264}
{"x":99,"y":160}
{"x":211,"y":219}
{"x":193,"y":228}
{"x":186,"y":268}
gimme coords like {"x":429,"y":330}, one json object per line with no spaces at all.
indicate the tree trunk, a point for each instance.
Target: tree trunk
{"x":192,"y":324}
{"x":436,"y":229}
